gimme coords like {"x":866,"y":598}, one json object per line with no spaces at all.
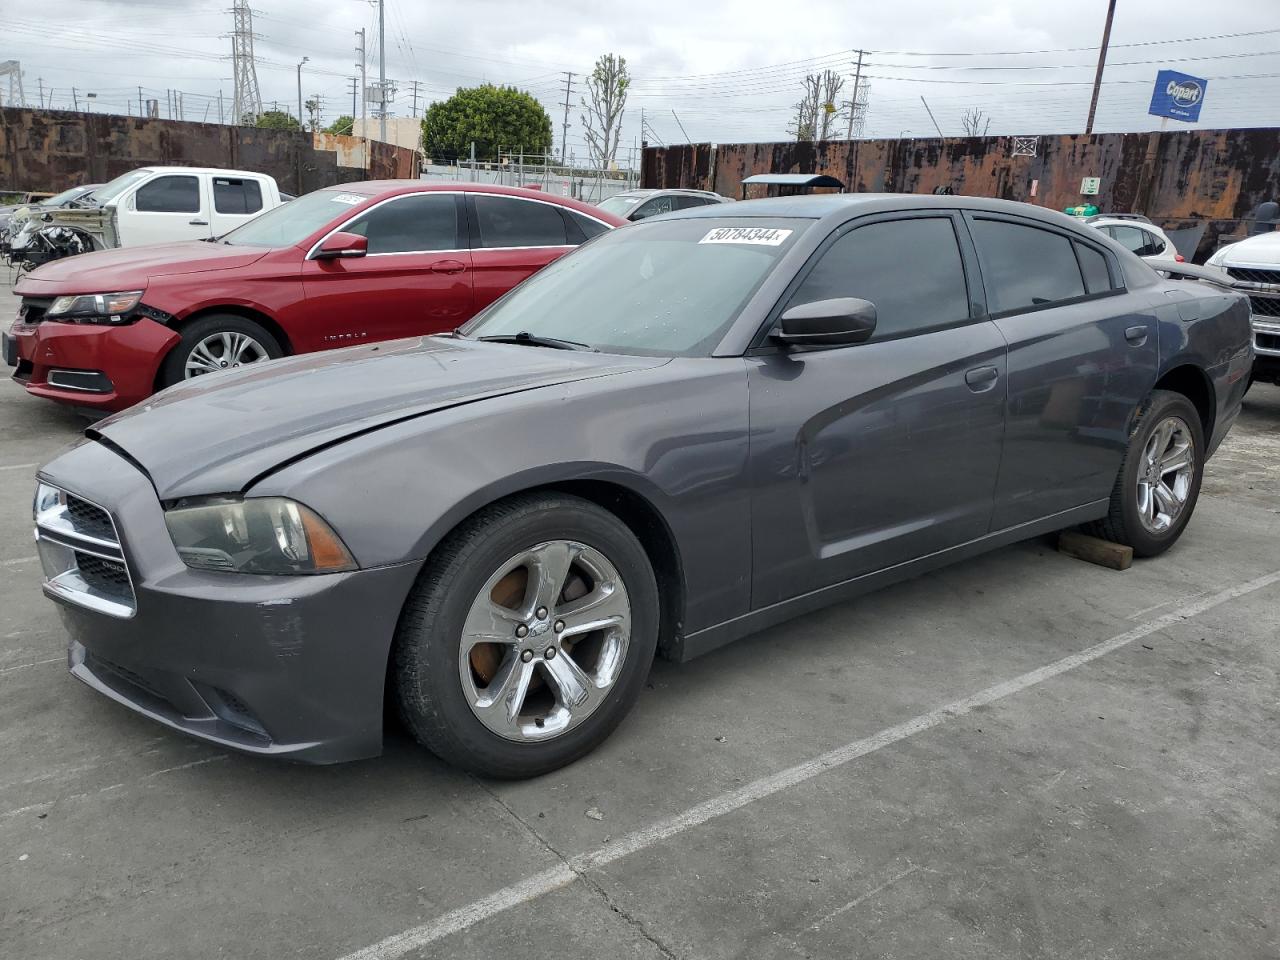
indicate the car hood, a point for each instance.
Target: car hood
{"x":221,"y":432}
{"x":1262,"y":250}
{"x":130,"y":268}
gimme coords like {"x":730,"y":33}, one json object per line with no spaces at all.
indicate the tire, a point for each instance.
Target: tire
{"x":442,"y":695}
{"x":1124,"y":522}
{"x":216,"y":327}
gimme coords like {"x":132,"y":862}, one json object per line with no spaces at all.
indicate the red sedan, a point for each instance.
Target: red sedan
{"x":344,"y":265}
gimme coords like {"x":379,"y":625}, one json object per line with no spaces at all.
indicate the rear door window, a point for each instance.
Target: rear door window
{"x":1093,"y":264}
{"x":169,"y":194}
{"x":910,"y":269}
{"x":1025,"y":267}
{"x":513,"y":222}
{"x":234,"y":195}
{"x":1142,"y":242}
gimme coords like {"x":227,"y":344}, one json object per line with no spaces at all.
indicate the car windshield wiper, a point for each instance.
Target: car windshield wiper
{"x":532,"y":340}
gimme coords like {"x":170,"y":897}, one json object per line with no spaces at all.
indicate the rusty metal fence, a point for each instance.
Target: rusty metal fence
{"x":1206,"y":180}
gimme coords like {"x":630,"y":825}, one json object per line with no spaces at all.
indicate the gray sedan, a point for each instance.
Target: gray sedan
{"x":681,"y":433}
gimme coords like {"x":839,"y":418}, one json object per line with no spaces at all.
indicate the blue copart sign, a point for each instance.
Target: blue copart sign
{"x":1178,"y":96}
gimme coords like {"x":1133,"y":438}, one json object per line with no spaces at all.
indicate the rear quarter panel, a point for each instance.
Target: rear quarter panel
{"x":1206,"y":327}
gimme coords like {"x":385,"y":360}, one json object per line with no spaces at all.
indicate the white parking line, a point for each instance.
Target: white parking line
{"x":548,"y":881}
{"x":19,"y":466}
{"x":16,"y":560}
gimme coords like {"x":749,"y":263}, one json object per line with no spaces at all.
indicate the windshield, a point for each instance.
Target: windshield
{"x":620,"y":205}
{"x":290,"y":224}
{"x":110,"y":191}
{"x":670,"y":288}
{"x":58,"y":199}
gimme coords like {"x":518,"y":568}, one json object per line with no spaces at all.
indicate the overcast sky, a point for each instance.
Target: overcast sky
{"x":728,"y":70}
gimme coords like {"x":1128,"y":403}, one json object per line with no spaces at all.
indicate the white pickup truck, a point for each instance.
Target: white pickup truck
{"x":1253,"y":267}
{"x":153,"y":205}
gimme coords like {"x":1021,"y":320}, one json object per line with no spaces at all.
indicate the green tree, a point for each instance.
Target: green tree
{"x":342,"y":126}
{"x":492,"y":117}
{"x":277,"y":120}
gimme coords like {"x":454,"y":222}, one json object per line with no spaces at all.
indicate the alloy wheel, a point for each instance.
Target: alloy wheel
{"x":223,"y":351}
{"x":1165,"y":475}
{"x":545,"y":640}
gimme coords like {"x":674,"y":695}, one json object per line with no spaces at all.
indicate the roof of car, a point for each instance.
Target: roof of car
{"x":391,"y":188}
{"x":650,"y":191}
{"x":841,"y":205}
{"x":795,"y":180}
{"x":221,"y":171}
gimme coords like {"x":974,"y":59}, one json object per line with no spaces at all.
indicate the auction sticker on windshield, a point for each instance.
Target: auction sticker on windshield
{"x":762,"y":236}
{"x":351,"y":199}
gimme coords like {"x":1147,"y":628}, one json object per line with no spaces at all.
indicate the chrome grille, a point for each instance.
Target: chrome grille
{"x":1253,"y":276}
{"x":81,"y":554}
{"x":1265,"y":306}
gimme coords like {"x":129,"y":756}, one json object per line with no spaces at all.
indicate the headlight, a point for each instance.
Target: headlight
{"x":1219,"y":256}
{"x":111,"y":306}
{"x":263,"y":535}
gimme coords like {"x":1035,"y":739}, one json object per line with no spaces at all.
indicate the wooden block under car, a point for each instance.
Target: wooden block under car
{"x":1102,"y":552}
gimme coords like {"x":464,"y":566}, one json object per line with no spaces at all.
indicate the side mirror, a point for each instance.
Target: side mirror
{"x":339,"y":245}
{"x":827,"y":323}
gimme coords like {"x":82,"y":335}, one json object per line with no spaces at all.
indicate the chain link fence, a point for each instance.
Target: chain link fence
{"x":544,"y":173}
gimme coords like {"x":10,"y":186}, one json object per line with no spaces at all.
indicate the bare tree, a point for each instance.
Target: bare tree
{"x":606,"y":98}
{"x":975,"y":123}
{"x":819,"y":108}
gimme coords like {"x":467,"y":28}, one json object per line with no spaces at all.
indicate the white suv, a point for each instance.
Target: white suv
{"x":1253,"y":266}
{"x":1137,"y":233}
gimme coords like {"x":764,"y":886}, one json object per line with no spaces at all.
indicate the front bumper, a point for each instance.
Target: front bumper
{"x":278,"y":666}
{"x":90,"y":365}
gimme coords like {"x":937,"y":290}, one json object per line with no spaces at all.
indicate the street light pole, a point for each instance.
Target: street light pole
{"x":301,"y":125}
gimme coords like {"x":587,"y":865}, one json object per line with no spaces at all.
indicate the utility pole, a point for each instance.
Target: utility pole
{"x":382,"y":70}
{"x":301,"y":125}
{"x":75,"y":100}
{"x":931,"y":117}
{"x":564,"y":130}
{"x":141,"y":110}
{"x":354,"y":82}
{"x":364,"y":102}
{"x":416,"y":85}
{"x":1102,"y":62}
{"x":853,"y":103}
{"x":220,"y":117}
{"x":40,"y":85}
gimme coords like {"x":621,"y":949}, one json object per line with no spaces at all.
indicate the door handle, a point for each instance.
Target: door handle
{"x":448,"y":266}
{"x":198,"y":223}
{"x":1136,"y":335}
{"x":982,"y":379}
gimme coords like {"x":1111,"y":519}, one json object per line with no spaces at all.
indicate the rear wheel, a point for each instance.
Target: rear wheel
{"x":528,"y":638}
{"x":1159,"y":480}
{"x":218,"y":342}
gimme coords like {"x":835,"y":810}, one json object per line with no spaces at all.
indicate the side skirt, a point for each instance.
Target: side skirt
{"x":704,"y":641}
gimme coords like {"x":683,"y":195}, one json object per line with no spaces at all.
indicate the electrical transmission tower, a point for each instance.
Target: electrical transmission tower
{"x":247,"y":99}
{"x":13,"y":70}
{"x":858,"y":107}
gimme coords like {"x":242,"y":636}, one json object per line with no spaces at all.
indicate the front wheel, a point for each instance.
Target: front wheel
{"x":1159,"y":480}
{"x":528,"y":637}
{"x":217,"y":342}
